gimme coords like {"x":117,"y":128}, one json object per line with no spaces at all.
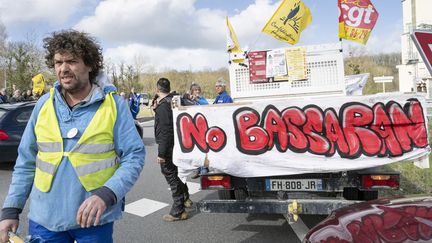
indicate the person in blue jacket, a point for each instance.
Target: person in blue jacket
{"x":134,"y":103}
{"x":223,"y":96}
{"x":195,"y":95}
{"x":197,"y":99}
{"x":72,"y":199}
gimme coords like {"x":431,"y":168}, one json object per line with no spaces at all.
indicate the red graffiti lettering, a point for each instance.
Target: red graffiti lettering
{"x":356,"y":117}
{"x":383,"y":126}
{"x":313,"y":128}
{"x":216,"y":138}
{"x":409,"y":125}
{"x":276,"y":129}
{"x":294,"y":119}
{"x":196,"y":132}
{"x":251,"y":138}
{"x":381,"y":130}
{"x":334,"y":134}
{"x":192,"y":131}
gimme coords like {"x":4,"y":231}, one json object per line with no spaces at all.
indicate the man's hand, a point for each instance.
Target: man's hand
{"x":7,"y":225}
{"x":90,"y":212}
{"x":160,"y":160}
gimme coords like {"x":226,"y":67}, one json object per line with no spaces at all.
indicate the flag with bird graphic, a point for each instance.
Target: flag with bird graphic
{"x":289,"y":20}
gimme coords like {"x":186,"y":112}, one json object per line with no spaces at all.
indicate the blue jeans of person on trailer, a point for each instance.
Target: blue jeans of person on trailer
{"x":94,"y":234}
{"x":202,"y":170}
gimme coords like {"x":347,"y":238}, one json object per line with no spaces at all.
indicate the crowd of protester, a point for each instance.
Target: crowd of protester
{"x":16,"y":95}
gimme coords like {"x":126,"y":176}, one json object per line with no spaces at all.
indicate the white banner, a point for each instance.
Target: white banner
{"x":354,"y":84}
{"x":282,"y":137}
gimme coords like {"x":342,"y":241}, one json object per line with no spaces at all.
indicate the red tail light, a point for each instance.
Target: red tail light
{"x":383,"y":181}
{"x":3,"y":135}
{"x":216,"y":181}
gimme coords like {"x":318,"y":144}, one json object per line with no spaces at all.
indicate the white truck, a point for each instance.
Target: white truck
{"x":292,"y":194}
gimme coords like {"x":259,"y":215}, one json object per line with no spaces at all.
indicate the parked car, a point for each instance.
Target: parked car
{"x":381,"y":221}
{"x":144,"y":99}
{"x":13,"y":120}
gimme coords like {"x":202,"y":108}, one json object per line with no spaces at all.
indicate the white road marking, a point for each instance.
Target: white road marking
{"x":144,"y":207}
{"x":300,"y":229}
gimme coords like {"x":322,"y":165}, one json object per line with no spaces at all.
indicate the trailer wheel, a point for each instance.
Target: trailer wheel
{"x":226,"y":194}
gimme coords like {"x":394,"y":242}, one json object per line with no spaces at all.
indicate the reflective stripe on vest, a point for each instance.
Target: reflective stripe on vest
{"x":93,"y":157}
{"x":49,"y":146}
{"x":93,"y":148}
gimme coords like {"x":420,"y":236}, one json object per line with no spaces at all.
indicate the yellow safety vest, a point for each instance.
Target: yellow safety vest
{"x":93,"y":157}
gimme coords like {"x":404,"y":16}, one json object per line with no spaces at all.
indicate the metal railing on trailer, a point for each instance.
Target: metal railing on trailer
{"x":325,"y":76}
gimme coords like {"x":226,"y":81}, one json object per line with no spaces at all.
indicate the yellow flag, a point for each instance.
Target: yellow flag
{"x":38,"y":84}
{"x":291,"y":18}
{"x":232,"y":42}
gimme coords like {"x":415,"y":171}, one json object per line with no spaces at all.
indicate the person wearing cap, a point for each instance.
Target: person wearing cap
{"x":79,"y":154}
{"x":164,"y":136}
{"x":223,"y":96}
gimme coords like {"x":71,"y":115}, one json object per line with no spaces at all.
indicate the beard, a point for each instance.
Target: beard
{"x":73,"y":85}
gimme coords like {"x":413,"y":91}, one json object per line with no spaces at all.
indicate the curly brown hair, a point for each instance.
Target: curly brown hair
{"x":77,"y":43}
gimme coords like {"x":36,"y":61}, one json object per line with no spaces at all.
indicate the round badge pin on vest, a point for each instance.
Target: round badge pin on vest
{"x":72,"y":133}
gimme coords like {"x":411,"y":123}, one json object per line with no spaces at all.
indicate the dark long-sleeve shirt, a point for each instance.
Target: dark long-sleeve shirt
{"x":164,"y":130}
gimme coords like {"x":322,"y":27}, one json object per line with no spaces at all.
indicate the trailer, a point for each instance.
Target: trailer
{"x":289,"y":194}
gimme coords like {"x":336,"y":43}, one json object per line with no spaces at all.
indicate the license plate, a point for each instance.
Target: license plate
{"x":294,"y":185}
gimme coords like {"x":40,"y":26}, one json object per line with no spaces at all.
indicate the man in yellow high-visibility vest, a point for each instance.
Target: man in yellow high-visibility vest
{"x":80,"y":153}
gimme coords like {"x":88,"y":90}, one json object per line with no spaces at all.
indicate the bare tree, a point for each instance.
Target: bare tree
{"x":23,"y":60}
{"x":3,"y":37}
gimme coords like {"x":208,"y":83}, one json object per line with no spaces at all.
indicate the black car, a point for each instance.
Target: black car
{"x":13,"y":120}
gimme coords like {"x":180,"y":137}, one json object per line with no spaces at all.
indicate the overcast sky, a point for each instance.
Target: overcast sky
{"x":185,"y":34}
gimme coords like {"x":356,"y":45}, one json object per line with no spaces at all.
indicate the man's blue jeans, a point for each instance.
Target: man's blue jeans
{"x":99,"y":234}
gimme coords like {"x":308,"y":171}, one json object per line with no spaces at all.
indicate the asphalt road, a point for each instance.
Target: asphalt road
{"x":150,"y":199}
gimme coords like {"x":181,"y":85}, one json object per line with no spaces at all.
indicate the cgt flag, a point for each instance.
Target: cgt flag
{"x":291,"y":18}
{"x":356,"y":19}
